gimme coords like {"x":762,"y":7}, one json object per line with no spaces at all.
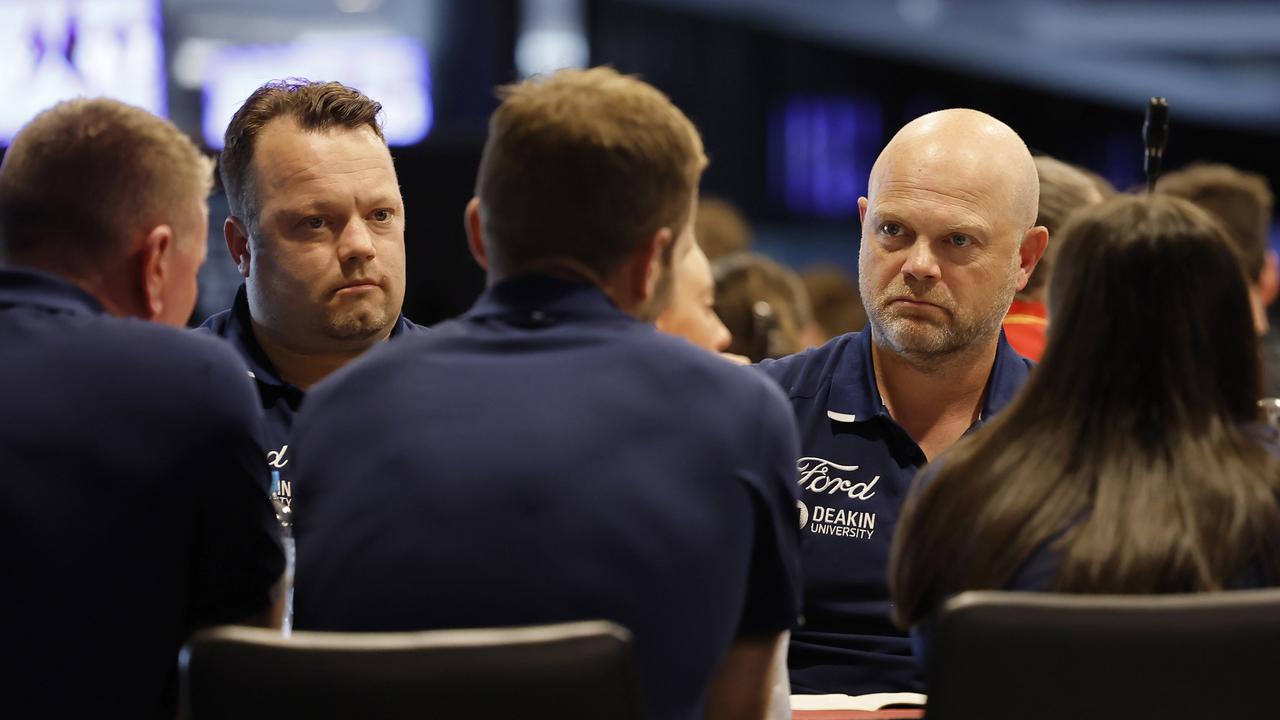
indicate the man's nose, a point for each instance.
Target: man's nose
{"x":921,"y":263}
{"x":356,"y":242}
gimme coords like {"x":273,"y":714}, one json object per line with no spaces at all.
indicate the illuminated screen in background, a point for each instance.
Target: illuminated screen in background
{"x":391,"y":70}
{"x":821,"y":148}
{"x":52,"y":50}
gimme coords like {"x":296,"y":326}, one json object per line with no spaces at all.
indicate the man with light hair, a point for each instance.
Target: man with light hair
{"x":1063,"y":189}
{"x":948,"y":238}
{"x":550,"y":456}
{"x":133,"y":498}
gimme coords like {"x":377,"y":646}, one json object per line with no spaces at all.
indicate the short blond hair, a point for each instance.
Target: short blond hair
{"x":584,"y":165}
{"x":82,"y":176}
{"x":1064,"y":188}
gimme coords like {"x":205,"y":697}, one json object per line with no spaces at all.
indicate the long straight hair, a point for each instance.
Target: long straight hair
{"x":1125,"y":450}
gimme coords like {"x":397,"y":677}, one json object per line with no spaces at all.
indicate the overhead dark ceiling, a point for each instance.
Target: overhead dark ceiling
{"x":1216,"y":62}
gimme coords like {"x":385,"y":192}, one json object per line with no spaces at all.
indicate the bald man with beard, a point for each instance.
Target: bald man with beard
{"x":948,"y":237}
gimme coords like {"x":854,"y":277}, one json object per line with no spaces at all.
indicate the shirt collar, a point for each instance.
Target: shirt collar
{"x":855,"y":397}
{"x":545,"y":299}
{"x":239,"y":331}
{"x":34,"y":288}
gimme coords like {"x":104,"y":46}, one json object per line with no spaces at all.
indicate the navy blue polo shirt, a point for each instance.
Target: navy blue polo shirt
{"x":546,"y":457}
{"x":280,"y":400}
{"x":133,"y":501}
{"x":856,"y":465}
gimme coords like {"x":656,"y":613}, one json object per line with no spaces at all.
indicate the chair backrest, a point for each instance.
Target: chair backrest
{"x":571,"y":670}
{"x":998,"y":655}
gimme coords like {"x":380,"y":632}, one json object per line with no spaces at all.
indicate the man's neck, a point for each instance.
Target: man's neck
{"x":935,"y":403}
{"x":303,"y":368}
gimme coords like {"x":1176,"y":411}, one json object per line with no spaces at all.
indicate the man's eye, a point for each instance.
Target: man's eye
{"x":315,"y":223}
{"x":891,"y":229}
{"x":382,"y":215}
{"x":959,"y":240}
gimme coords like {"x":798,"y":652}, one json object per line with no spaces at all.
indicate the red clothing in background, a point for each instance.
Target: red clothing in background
{"x":1025,"y":326}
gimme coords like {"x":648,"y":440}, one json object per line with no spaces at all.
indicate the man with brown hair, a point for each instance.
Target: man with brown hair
{"x":133,"y":499}
{"x":549,"y":456}
{"x":1242,"y":202}
{"x":317,"y":231}
{"x":1063,"y":189}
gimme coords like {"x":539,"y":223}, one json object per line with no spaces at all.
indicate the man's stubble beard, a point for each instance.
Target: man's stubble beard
{"x":925,"y":344}
{"x":357,"y":323}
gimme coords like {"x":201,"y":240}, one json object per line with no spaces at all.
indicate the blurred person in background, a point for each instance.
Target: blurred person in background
{"x":1242,"y":202}
{"x":837,"y":306}
{"x":691,"y":313}
{"x":1132,"y":462}
{"x":764,"y":305}
{"x":948,"y":237}
{"x":133,"y":498}
{"x":720,"y":228}
{"x":621,"y":473}
{"x":1063,"y":189}
{"x":317,"y":231}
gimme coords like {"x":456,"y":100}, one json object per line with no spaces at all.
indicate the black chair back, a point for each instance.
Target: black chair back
{"x":1039,"y":656}
{"x":572,"y":670}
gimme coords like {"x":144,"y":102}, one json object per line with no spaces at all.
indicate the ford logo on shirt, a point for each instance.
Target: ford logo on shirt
{"x":816,"y":475}
{"x":819,"y":475}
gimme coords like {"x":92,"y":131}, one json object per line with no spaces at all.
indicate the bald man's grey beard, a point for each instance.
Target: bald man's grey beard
{"x":928,"y":344}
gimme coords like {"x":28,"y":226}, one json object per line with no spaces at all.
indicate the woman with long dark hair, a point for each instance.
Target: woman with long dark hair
{"x":1132,"y":461}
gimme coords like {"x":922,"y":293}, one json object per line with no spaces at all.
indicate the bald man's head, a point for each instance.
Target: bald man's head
{"x":947,"y":233}
{"x":973,"y":148}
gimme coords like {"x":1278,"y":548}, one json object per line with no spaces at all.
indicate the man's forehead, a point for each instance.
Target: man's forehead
{"x":285,"y":152}
{"x":956,"y":208}
{"x":982,"y":164}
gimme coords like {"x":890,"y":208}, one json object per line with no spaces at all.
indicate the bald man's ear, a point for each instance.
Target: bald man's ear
{"x":475,"y":233}
{"x":862,"y":210}
{"x":1034,"y":243}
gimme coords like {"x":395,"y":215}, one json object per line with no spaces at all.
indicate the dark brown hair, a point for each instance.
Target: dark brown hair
{"x":835,"y":299}
{"x":1241,"y":200}
{"x":312,"y":105}
{"x":720,"y":227}
{"x":584,"y":165}
{"x":84,"y":175}
{"x":764,"y":305}
{"x":1125,"y":451}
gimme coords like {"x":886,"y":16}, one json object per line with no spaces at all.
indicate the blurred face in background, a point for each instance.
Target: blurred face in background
{"x":690,"y":314}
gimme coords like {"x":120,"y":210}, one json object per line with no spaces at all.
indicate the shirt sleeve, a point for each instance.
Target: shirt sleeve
{"x":238,"y":556}
{"x":774,"y":585}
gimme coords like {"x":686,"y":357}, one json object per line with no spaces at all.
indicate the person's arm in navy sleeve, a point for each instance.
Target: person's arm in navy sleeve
{"x":742,"y":683}
{"x":239,"y":564}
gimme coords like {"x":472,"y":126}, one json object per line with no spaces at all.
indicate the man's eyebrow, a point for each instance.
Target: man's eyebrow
{"x":969,"y":223}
